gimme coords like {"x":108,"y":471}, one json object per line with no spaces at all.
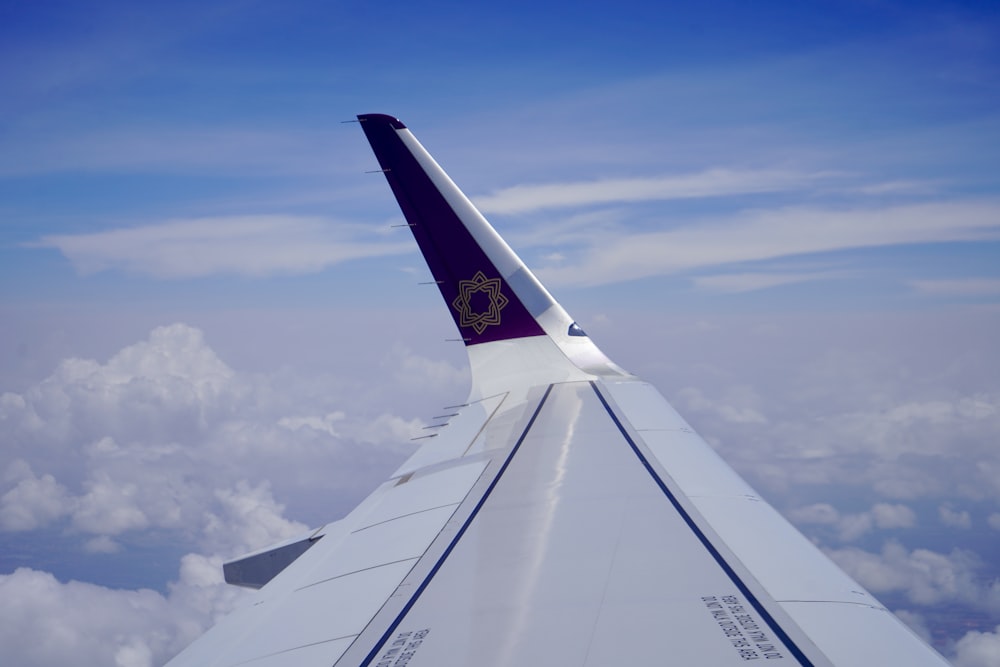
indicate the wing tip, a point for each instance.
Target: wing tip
{"x":385,"y":119}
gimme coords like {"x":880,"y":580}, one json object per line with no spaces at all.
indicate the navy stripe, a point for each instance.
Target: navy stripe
{"x":726,"y":567}
{"x":437,"y":566}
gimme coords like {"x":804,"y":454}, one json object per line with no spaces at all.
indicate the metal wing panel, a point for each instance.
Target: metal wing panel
{"x":324,"y":654}
{"x":328,"y":611}
{"x":861,"y":635}
{"x":421,"y":492}
{"x":330,"y":594}
{"x":787,"y":574}
{"x":573,"y":556}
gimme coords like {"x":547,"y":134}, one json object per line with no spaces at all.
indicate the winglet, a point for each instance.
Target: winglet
{"x":491,"y":294}
{"x":478,"y":293}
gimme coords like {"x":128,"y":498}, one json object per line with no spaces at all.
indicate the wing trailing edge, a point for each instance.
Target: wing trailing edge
{"x":255,"y":570}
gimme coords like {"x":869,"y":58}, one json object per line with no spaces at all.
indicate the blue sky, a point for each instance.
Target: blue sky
{"x":786,"y":215}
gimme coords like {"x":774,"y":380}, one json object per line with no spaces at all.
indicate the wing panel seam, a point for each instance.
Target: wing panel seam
{"x":404,"y":516}
{"x":703,"y":538}
{"x":353,"y":572}
{"x":377,"y":647}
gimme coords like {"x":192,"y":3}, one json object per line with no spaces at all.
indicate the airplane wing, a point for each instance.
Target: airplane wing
{"x":566,"y":515}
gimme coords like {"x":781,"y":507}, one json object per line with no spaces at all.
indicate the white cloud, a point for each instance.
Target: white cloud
{"x":733,"y":408}
{"x":390,"y":428}
{"x":109,"y":507}
{"x":850,"y":527}
{"x":818,"y":513}
{"x":926,"y":577}
{"x":887,"y":516}
{"x":415,"y":370}
{"x":166,"y":439}
{"x":34,"y":501}
{"x":978,"y":649}
{"x":324,"y":424}
{"x":710,"y":183}
{"x":46,"y":622}
{"x":749,"y":282}
{"x":772,"y":234}
{"x":163,"y":434}
{"x":903,"y":449}
{"x":854,"y":526}
{"x":248,"y":518}
{"x":994,"y":521}
{"x":197,"y":438}
{"x":884,"y":516}
{"x":101,"y":545}
{"x":954,"y":518}
{"x":899,"y":187}
{"x":248,"y":245}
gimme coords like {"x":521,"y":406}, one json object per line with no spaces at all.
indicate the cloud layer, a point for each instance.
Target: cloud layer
{"x":764,"y":235}
{"x":165,"y":442}
{"x":710,"y":183}
{"x":165,"y":438}
{"x":247,"y":245}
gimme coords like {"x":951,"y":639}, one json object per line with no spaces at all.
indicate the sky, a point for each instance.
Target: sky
{"x":784,"y":215}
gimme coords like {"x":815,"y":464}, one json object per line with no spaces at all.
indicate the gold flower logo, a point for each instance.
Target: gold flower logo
{"x":479,"y":302}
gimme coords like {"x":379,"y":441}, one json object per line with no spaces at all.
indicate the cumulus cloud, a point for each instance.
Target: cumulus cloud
{"x":34,"y":501}
{"x":887,"y":515}
{"x":248,"y":246}
{"x":165,"y":439}
{"x":978,"y":649}
{"x":903,"y":449}
{"x":737,"y":407}
{"x":416,"y":370}
{"x":850,"y":527}
{"x":323,"y":424}
{"x":818,"y":513}
{"x":954,"y":518}
{"x":101,"y":545}
{"x":924,"y":576}
{"x":109,"y":506}
{"x":247,"y":517}
{"x":47,"y":622}
{"x":147,"y":438}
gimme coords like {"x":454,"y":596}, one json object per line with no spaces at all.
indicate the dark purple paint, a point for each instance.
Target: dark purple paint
{"x":451,"y":252}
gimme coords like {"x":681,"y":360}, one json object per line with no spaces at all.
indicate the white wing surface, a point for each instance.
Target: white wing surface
{"x":567,"y":515}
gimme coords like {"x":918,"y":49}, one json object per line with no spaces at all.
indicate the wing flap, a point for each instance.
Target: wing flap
{"x":862,"y":635}
{"x":316,"y":610}
{"x":326,"y":612}
{"x":255,"y":571}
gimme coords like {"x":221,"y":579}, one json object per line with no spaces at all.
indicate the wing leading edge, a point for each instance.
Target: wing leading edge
{"x":567,"y":515}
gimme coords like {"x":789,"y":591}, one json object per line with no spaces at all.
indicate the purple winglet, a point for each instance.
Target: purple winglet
{"x":482,"y":303}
